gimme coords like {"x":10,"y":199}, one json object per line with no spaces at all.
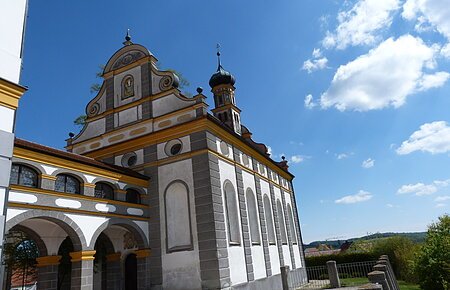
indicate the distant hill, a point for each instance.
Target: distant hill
{"x":335,"y":244}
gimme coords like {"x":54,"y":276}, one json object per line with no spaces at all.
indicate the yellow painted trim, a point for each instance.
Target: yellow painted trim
{"x":113,"y":257}
{"x":76,"y":196}
{"x":73,"y":165}
{"x":91,"y":185}
{"x":82,"y":256}
{"x":47,"y":261}
{"x":10,"y":94}
{"x":134,"y":64}
{"x":182,"y":130}
{"x":79,"y":211}
{"x":142,"y":253}
{"x":46,"y":176}
{"x":226,"y":107}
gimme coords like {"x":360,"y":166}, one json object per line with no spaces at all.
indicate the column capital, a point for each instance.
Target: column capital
{"x":142,"y":253}
{"x":113,"y":257}
{"x":82,"y":256}
{"x":47,"y":261}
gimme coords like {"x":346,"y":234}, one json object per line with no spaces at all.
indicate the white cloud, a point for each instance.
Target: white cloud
{"x":368,"y":163}
{"x":297,"y":158}
{"x":390,"y":205}
{"x":441,"y":205}
{"x":317,"y":53}
{"x":435,"y":13}
{"x":420,"y":189}
{"x":269,"y":150}
{"x":431,"y":137}
{"x":445,"y":50}
{"x":309,"y":103}
{"x":383,"y":77}
{"x":342,"y":156}
{"x":442,"y":198}
{"x":360,"y":24}
{"x":315,"y":64}
{"x":359,"y":197}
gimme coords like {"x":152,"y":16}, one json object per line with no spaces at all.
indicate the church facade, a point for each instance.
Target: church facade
{"x":156,"y":192}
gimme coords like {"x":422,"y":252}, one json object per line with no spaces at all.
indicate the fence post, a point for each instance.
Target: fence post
{"x":385,"y":269}
{"x":333,"y":274}
{"x":384,"y":260}
{"x":284,"y":277}
{"x":380,"y":278}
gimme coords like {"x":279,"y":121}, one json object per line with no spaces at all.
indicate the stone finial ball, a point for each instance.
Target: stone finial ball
{"x":199,"y":90}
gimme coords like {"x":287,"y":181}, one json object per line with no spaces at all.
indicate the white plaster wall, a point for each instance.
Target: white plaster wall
{"x":88,"y":225}
{"x":136,"y":73}
{"x":169,"y":104}
{"x":273,"y":249}
{"x":6,"y":117}
{"x":11,"y":29}
{"x":236,"y":258}
{"x":127,"y":116}
{"x":51,"y":234}
{"x":93,"y":129}
{"x":181,"y":270}
{"x":259,"y":267}
{"x":227,"y":145}
{"x":139,"y":157}
{"x":186,"y":147}
{"x":285,"y":248}
{"x":297,"y":258}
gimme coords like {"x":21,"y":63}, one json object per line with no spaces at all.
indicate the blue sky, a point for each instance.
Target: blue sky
{"x":354,"y":93}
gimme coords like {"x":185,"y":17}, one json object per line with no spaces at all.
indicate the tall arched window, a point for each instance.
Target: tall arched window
{"x":178,"y":223}
{"x":23,"y":175}
{"x":67,"y":183}
{"x":133,"y":196}
{"x":103,"y":190}
{"x":252,"y":217}
{"x":232,"y":214}
{"x":269,"y":220}
{"x":281,"y":222}
{"x":291,"y":224}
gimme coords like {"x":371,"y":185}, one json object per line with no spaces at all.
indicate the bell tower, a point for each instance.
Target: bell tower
{"x":222,"y":86}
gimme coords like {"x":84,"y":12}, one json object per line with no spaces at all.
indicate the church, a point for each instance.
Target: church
{"x":155,"y":192}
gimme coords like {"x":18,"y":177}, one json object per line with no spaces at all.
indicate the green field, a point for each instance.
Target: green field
{"x":360,"y":281}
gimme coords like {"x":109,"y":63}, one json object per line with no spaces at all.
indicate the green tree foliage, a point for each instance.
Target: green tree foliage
{"x":400,"y":251}
{"x":432,"y":262}
{"x":80,"y":120}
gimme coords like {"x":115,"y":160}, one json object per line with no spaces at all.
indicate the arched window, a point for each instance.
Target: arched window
{"x":133,"y":196}
{"x":269,"y":220}
{"x":103,"y":190}
{"x":281,"y":222}
{"x":67,"y":183}
{"x":291,"y":224}
{"x":178,"y":225}
{"x":252,"y":217}
{"x":232,"y":214}
{"x":23,"y":175}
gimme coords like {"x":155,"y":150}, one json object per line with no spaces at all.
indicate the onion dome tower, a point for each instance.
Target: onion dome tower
{"x":222,"y":86}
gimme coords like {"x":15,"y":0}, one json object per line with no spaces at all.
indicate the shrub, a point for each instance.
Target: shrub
{"x":400,"y":251}
{"x":340,"y":258}
{"x":432,"y":262}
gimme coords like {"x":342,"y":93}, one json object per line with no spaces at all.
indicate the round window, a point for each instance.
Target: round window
{"x":129,"y":159}
{"x":224,"y":148}
{"x":173,"y":147}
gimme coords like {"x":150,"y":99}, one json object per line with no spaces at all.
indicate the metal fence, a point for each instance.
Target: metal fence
{"x":318,"y":275}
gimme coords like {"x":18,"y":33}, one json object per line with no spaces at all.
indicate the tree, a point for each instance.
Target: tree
{"x":432,"y":262}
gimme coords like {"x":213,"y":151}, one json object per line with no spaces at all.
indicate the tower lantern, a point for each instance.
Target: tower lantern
{"x":222,"y":86}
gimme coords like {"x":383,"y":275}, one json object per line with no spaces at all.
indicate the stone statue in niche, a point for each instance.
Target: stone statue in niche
{"x":127,"y":87}
{"x":129,"y":242}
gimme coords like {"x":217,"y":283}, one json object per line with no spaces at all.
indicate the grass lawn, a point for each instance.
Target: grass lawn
{"x":360,"y":281}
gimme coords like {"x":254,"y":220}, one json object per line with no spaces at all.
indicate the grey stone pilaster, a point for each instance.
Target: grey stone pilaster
{"x":109,"y":122}
{"x":142,"y":273}
{"x":203,"y":140}
{"x":154,"y":222}
{"x":47,"y":277}
{"x":244,"y":223}
{"x":277,"y":224}
{"x":47,"y":184}
{"x":82,"y":275}
{"x":147,"y":109}
{"x":109,"y":83}
{"x":288,"y":228}
{"x":212,"y":243}
{"x":297,"y":226}
{"x":262,"y":220}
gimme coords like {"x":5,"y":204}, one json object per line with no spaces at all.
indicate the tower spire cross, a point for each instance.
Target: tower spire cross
{"x":218,"y":57}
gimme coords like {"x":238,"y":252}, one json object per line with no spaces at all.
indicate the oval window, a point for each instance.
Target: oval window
{"x":129,"y":159}
{"x":173,"y":147}
{"x":224,"y":148}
